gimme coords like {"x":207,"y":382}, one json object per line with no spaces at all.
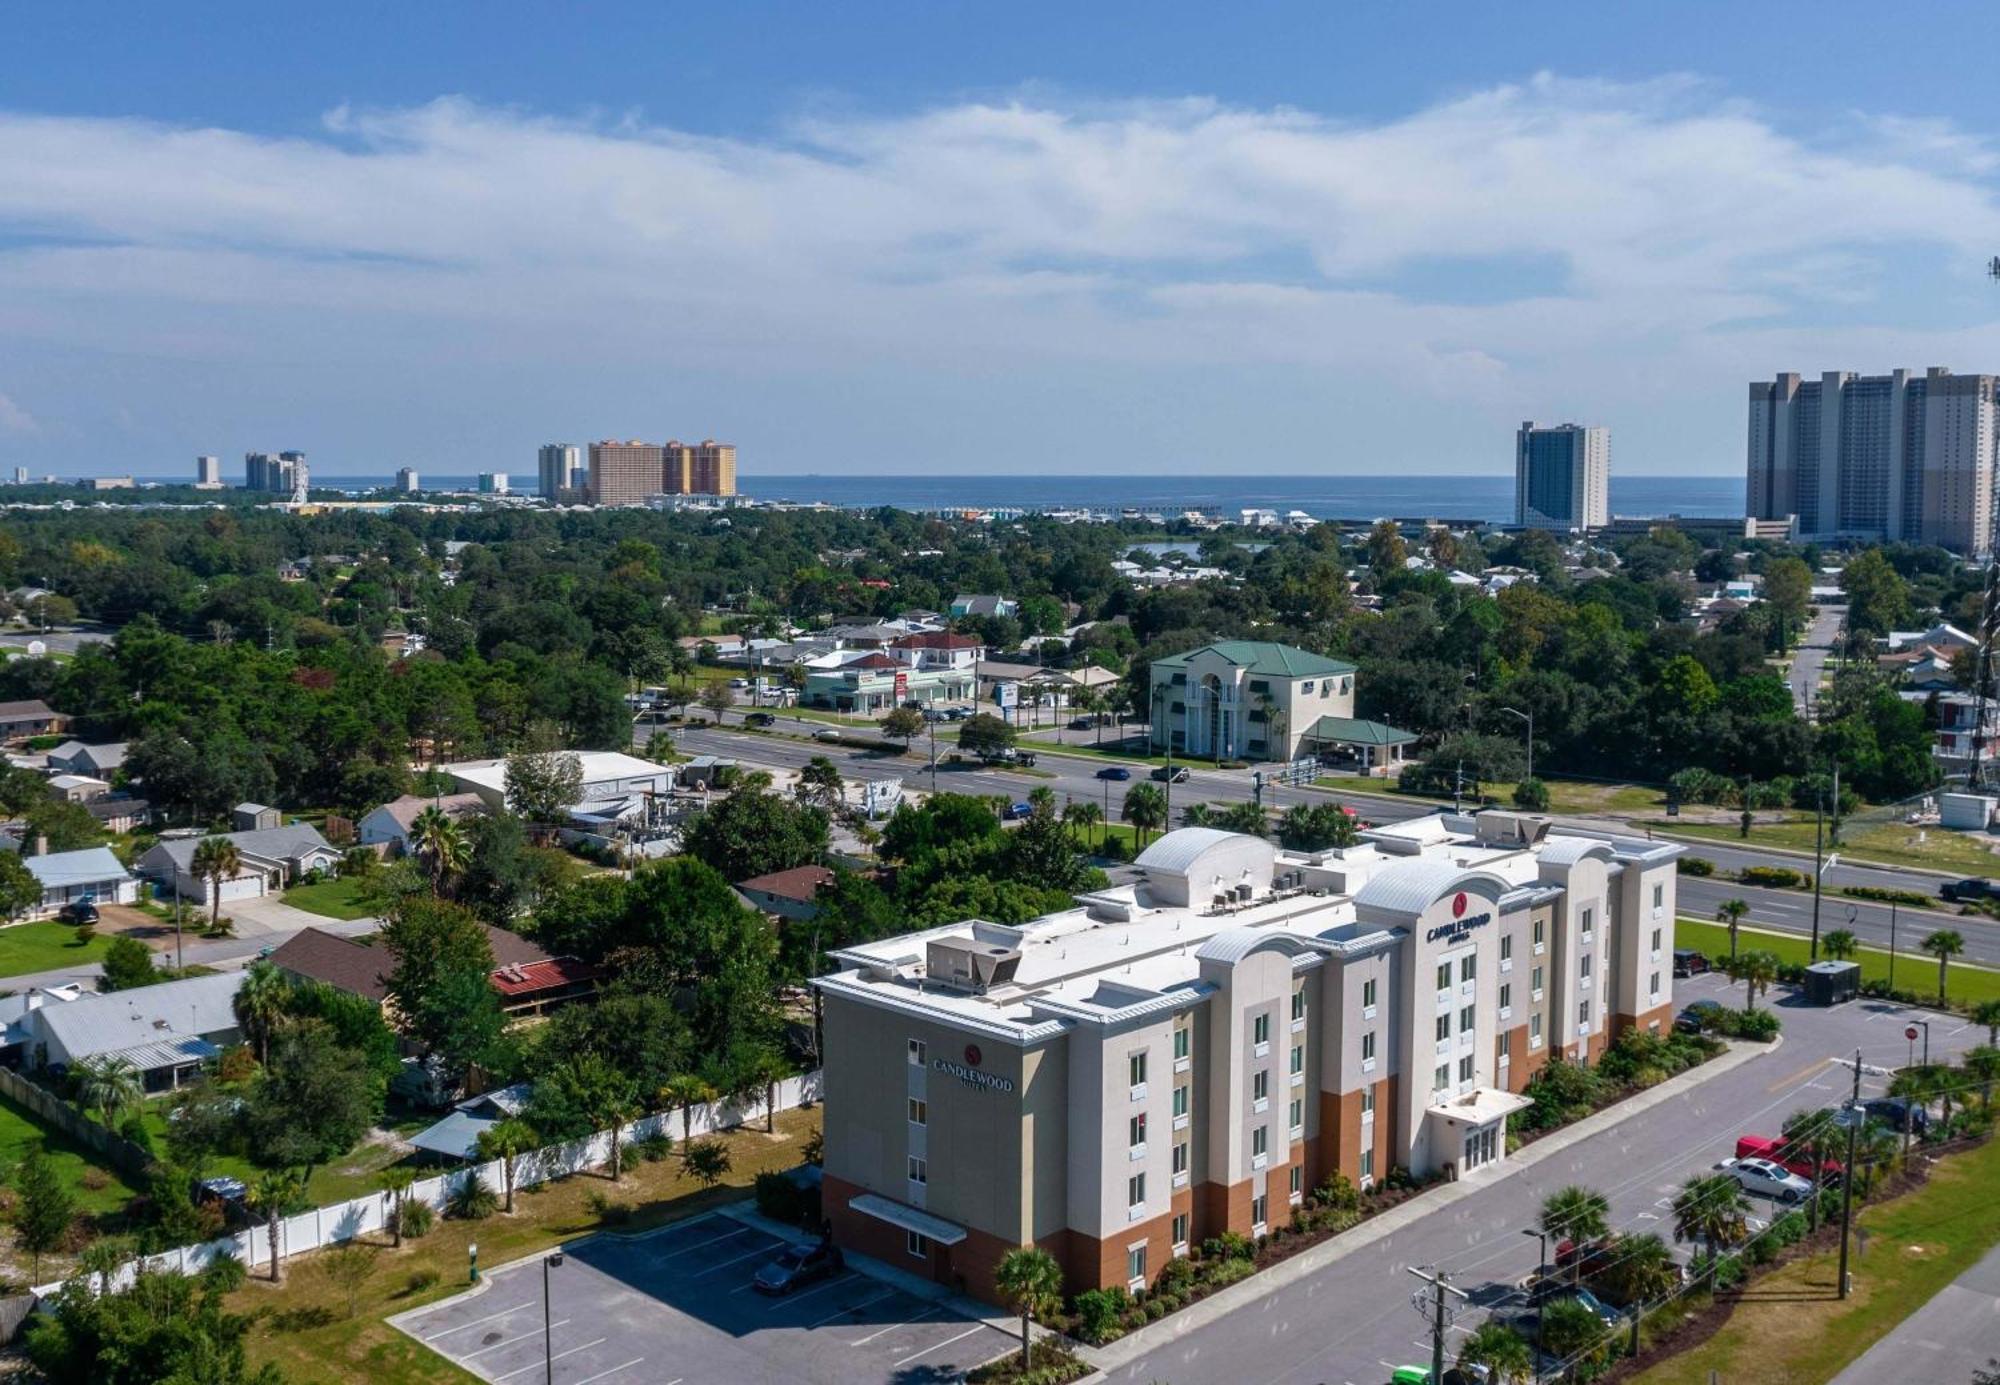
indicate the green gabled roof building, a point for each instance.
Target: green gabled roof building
{"x":1264,"y":657}
{"x":1259,"y":700}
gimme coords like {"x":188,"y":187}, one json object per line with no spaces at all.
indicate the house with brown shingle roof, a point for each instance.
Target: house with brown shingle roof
{"x":789,"y":894}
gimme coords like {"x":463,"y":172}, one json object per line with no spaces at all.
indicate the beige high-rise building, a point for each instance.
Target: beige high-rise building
{"x":630,"y":473}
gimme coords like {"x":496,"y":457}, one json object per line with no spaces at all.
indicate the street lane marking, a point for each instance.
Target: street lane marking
{"x":976,"y":1327}
{"x":1810,"y":1070}
{"x":526,"y":1303}
{"x":893,"y":1327}
{"x":615,"y":1369}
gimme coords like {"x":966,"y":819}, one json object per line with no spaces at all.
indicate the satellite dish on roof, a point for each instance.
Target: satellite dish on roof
{"x":36,"y":649}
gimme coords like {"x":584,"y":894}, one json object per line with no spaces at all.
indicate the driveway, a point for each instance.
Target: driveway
{"x":678,"y":1307}
{"x":271,"y":916}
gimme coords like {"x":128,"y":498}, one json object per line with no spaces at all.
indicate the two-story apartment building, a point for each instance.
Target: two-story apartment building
{"x":1192,"y":1052}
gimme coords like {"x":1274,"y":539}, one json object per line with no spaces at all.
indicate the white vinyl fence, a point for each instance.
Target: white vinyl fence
{"x":343,"y":1221}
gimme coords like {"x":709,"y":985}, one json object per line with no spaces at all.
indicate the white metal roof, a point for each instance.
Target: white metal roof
{"x":1177,"y":851}
{"x":122,"y":1020}
{"x":93,"y":865}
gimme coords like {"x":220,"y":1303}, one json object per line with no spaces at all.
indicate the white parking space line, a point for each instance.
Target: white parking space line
{"x":615,"y":1369}
{"x":542,"y":1365}
{"x":778,"y":1303}
{"x":711,"y":1241}
{"x":853,"y":1308}
{"x":733,"y":1260}
{"x":976,"y":1327}
{"x":928,"y":1312}
{"x":476,"y":1321}
{"x":510,"y":1341}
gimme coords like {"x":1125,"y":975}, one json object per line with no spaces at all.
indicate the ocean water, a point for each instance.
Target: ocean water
{"x":1489,"y":498}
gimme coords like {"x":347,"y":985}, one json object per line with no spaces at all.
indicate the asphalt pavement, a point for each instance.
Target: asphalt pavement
{"x":1875,"y":925}
{"x":1947,"y":1339}
{"x":1809,"y":660}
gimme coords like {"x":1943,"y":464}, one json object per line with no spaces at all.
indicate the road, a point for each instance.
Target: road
{"x":1790,"y":911}
{"x":1947,"y":1339}
{"x":1809,"y":661}
{"x":1352,"y":1320}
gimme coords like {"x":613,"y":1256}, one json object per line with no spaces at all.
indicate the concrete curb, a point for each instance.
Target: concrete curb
{"x":1245,"y":1292}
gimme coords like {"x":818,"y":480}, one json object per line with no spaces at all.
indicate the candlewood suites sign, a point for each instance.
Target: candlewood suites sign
{"x":971,"y":1076}
{"x":1461,"y":923}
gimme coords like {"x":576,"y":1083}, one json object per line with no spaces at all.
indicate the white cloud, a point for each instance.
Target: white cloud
{"x":14,"y":418}
{"x":405,"y":270}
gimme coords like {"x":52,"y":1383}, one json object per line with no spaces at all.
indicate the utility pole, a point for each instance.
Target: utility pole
{"x":1892,"y":944}
{"x":1819,"y":868}
{"x":1851,"y":1117}
{"x":1432,"y":1305}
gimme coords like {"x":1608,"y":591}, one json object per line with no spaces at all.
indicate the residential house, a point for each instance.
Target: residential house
{"x":938,"y":649}
{"x":1961,"y":717}
{"x":527,"y":979}
{"x":788,"y":894}
{"x":77,"y":788}
{"x":21,"y":720}
{"x":390,"y":825}
{"x":92,"y":874}
{"x":982,"y":605}
{"x":271,"y":859}
{"x":166,"y":1031}
{"x":457,"y":1135}
{"x":120,"y":812}
{"x":313,"y":954}
{"x":97,"y":761}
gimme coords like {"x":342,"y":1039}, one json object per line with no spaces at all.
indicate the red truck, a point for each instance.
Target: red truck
{"x":1784,"y":1153}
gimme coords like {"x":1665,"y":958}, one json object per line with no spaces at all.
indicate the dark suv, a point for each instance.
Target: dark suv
{"x":1904,"y":1117}
{"x":79,"y":911}
{"x":1966,"y":891}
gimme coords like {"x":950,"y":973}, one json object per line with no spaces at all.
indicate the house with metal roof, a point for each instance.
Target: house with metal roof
{"x":97,"y":761}
{"x":1251,"y":700}
{"x":166,"y":1031}
{"x":93,"y":875}
{"x":271,"y":859}
{"x":390,"y":824}
{"x":21,"y":720}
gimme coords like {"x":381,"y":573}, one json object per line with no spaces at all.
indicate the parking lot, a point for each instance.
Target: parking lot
{"x":678,"y":1307}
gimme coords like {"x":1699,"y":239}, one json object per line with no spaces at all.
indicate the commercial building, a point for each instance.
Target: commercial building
{"x":1192,"y":1052}
{"x":556,"y":467}
{"x":1897,"y":457}
{"x":1255,"y":700}
{"x":1562,"y":476}
{"x":285,"y":473}
{"x":608,"y":775}
{"x":407,"y":480}
{"x":493,"y":483}
{"x":207,"y":472}
{"x":631,"y":473}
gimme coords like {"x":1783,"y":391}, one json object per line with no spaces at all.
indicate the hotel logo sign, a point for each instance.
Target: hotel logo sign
{"x":972,"y":1077}
{"x":1461,"y":923}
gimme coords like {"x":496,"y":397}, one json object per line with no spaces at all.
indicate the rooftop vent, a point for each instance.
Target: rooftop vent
{"x":1511,"y":829}
{"x":971,"y":964}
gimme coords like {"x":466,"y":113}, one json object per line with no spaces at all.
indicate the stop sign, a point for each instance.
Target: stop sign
{"x":1911,"y":1033}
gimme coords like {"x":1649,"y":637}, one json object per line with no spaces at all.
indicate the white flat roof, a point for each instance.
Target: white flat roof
{"x":599,"y":766}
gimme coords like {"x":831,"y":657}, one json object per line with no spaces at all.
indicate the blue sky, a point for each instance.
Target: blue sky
{"x":925,"y":238}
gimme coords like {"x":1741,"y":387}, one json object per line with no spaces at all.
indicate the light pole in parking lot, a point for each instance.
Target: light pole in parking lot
{"x":549,"y":1262}
{"x":1851,"y":1116}
{"x":1543,"y":1238}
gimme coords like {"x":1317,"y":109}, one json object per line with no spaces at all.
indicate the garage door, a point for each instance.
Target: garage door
{"x":244,"y":887}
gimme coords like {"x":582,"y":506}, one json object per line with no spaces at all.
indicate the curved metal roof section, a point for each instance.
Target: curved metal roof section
{"x":1567,"y":851}
{"x":1411,"y":887}
{"x":1179,"y":849}
{"x":1232,"y":945}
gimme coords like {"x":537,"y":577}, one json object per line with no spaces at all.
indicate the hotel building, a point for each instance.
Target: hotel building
{"x":1562,"y":477}
{"x":631,"y":473}
{"x":1195,"y":1051}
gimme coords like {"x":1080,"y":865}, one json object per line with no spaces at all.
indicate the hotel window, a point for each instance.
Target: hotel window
{"x":1182,"y":1032}
{"x":1656,"y":940}
{"x":1465,"y":1068}
{"x":1136,"y":1065}
{"x":1444,"y":976}
{"x":1180,"y":1158}
{"x":1136,"y":1130}
{"x":1589,"y":918}
{"x":1465,"y":1019}
{"x":1583,"y":966}
{"x":1258,"y":1205}
{"x":1368,"y":1047}
{"x":1534,"y":1031}
{"x":1135,"y":1264}
{"x":1507,"y":949}
{"x":918,"y":1111}
{"x":1583,"y":1014}
{"x":1298,"y":1058}
{"x":1659,"y":896}
{"x":1367,"y":1102}
{"x":1653,"y":985}
{"x":1297,"y":1180}
{"x":1260,"y":1029}
{"x":917,"y":1051}
{"x":1443,"y":1027}
{"x":1299,"y":1004}
{"x":1441,"y":1078}
{"x":1535,"y":983}
{"x":919,"y":1171}
{"x":1180,"y":1232}
{"x":1260,"y":1141}
{"x":1260,"y":1085}
{"x":1181,"y":1099}
{"x":1367,"y":1165}
{"x":1368,"y":993}
{"x":1135,"y":1190}
{"x":1506,"y":996}
{"x":1467,"y":967}
{"x":916,"y":1243}
{"x":1539,"y":924}
{"x":1295,"y":1117}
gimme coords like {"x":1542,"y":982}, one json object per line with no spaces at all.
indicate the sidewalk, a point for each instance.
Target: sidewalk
{"x":1947,"y":1339}
{"x":1377,"y":1229}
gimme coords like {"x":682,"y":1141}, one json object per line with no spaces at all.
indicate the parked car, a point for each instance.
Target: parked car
{"x":828,"y":734}
{"x":1015,"y":812}
{"x":78,"y":911}
{"x":1177,"y":775}
{"x":1699,"y":1016}
{"x":1114,"y":772}
{"x":1546,"y":1291}
{"x":1781,"y":1152}
{"x":796,"y":1266}
{"x":1967,"y":891}
{"x":1899,"y":1114}
{"x":1688,"y":962}
{"x":1762,"y":1178}
{"x":957,"y":713}
{"x":1473,"y":1374}
{"x":1585,"y":1259}
{"x":1082,"y":724}
{"x":760,"y":719}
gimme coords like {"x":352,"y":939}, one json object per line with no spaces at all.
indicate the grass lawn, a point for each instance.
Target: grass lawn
{"x":1569,"y":797}
{"x":1791,"y":1329}
{"x":45,"y":945}
{"x":1892,"y":843}
{"x":19,"y":1130}
{"x":305,"y":1330}
{"x":1915,"y":971}
{"x":349,"y":1176}
{"x":337,"y":899}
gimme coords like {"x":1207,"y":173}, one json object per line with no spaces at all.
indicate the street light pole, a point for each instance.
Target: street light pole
{"x":548,"y":1345}
{"x":1543,"y":1238}
{"x":1851,"y":1117}
{"x":1528,"y":717}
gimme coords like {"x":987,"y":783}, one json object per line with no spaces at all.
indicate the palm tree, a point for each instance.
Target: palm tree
{"x":1572,"y":1333}
{"x":1756,"y":969}
{"x":1839,"y":945}
{"x":1982,"y":1064}
{"x":687,"y":1090}
{"x":1500,"y":1349}
{"x":1198,"y":815}
{"x":1987,"y":1012}
{"x":1813,"y":1135}
{"x":1578,"y":1215}
{"x":1084,"y":814}
{"x":507,"y":1140}
{"x":110,"y":1083}
{"x":1030,"y":1279}
{"x":271,"y":1199}
{"x":1145,"y":808}
{"x":1731,"y":912}
{"x":259,"y":1003}
{"x":215,"y":860}
{"x":1711,"y":1208}
{"x":1944,"y":945}
{"x":1643,"y":1271}
{"x":395,"y":1182}
{"x":440,"y":842}
{"x":1926,"y":1083}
